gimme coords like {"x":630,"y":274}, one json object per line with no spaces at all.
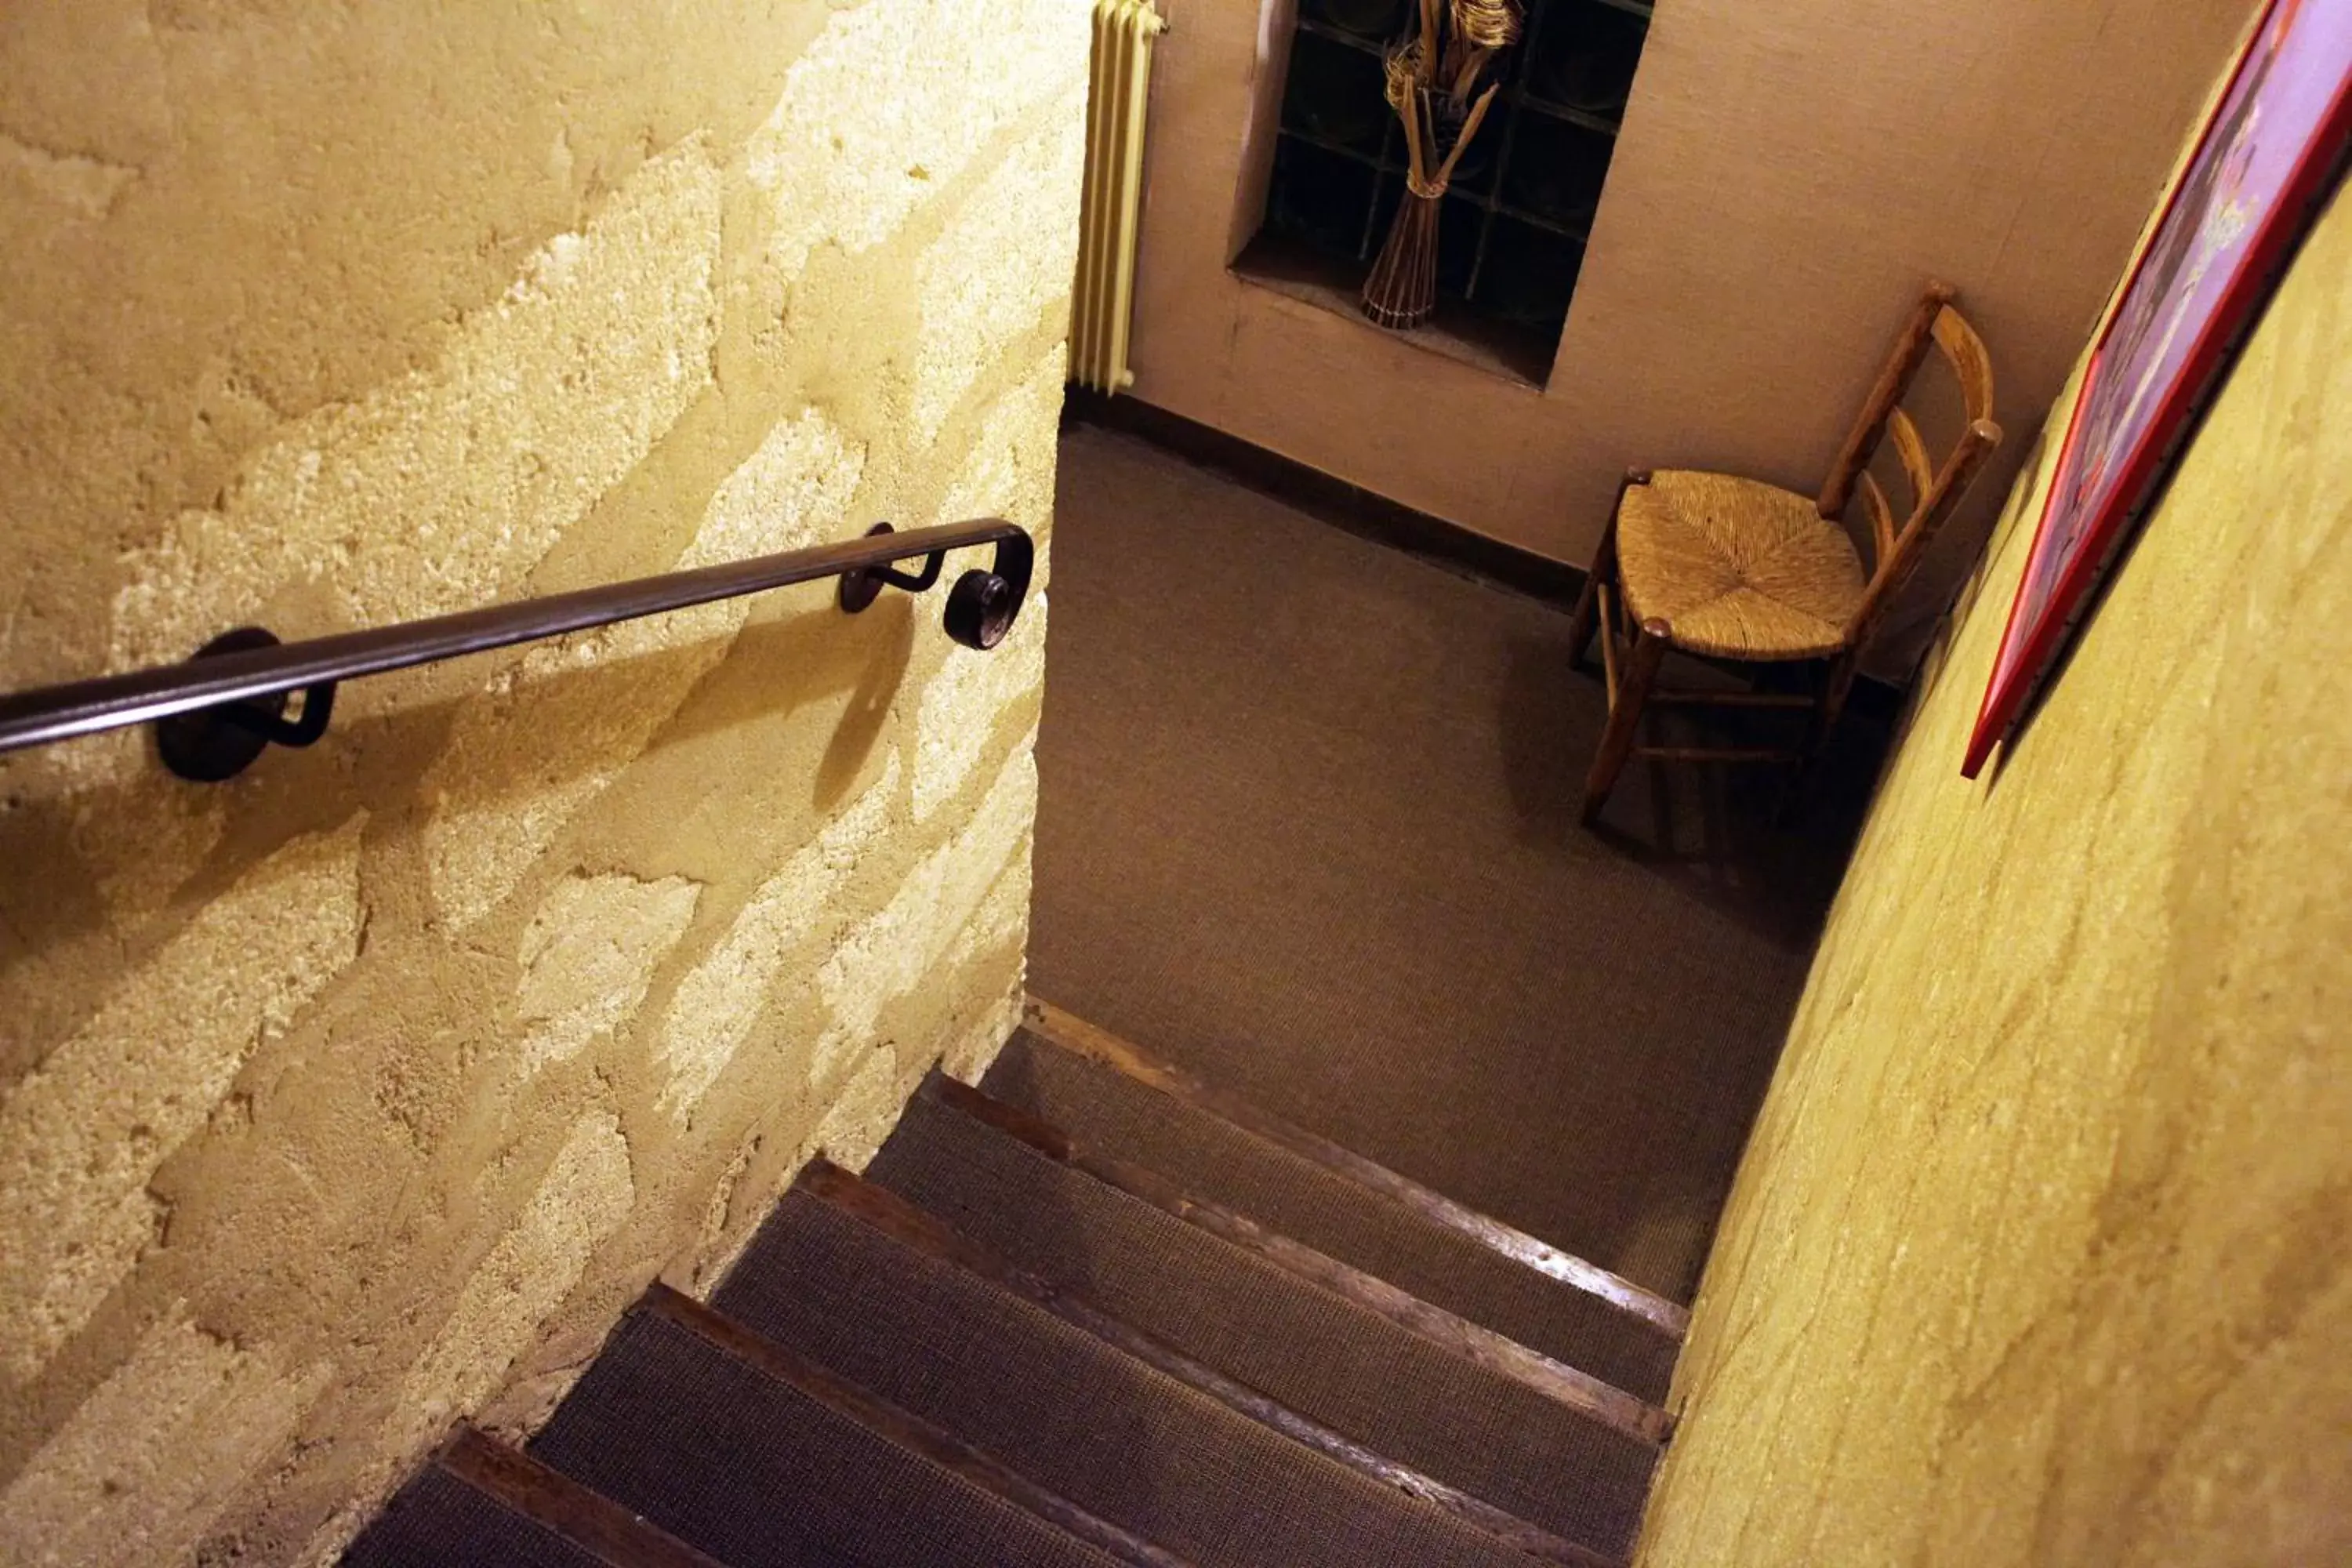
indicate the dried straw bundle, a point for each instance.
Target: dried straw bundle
{"x":1429,"y":78}
{"x":1487,"y":24}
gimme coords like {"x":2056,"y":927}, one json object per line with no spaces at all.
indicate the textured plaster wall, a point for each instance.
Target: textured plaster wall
{"x":1790,"y":172}
{"x":2042,"y":1249}
{"x":364,"y":1091}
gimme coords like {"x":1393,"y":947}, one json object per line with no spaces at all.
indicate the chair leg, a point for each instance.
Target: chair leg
{"x":1625,"y":716}
{"x":1836,"y":687}
{"x":1828,"y":703}
{"x":1582,"y":624}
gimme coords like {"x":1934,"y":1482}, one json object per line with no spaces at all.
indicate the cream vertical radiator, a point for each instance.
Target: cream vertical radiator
{"x":1102,"y":300}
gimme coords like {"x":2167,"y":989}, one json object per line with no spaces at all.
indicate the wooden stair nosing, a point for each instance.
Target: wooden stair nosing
{"x":884,"y":1211}
{"x":1074,"y":1035}
{"x":586,"y":1518}
{"x":852,"y":1403}
{"x":1579,"y":1391}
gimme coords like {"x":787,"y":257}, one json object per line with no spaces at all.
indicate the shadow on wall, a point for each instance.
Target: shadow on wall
{"x":379,"y":764}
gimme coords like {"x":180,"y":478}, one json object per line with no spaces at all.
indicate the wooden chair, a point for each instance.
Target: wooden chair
{"x":1727,"y":568}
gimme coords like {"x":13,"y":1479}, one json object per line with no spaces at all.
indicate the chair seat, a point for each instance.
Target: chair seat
{"x":1737,"y":569}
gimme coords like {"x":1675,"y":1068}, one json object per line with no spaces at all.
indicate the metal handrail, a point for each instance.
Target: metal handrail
{"x":222,"y":707}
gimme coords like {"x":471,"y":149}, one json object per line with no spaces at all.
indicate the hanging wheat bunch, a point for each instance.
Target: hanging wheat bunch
{"x":1431,"y":74}
{"x":1488,"y":24}
{"x":1482,"y":30}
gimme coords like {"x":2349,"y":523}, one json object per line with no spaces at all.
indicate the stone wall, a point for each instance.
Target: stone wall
{"x":364,"y":1091}
{"x":2042,"y":1252}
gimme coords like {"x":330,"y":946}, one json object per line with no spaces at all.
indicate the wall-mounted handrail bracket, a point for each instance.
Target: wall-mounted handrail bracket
{"x":862,"y":587}
{"x":982,"y":606}
{"x":218,"y":711}
{"x":206,"y":745}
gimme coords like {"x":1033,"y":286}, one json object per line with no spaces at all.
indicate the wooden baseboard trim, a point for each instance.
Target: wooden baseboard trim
{"x":1332,"y":499}
{"x":1368,"y":515}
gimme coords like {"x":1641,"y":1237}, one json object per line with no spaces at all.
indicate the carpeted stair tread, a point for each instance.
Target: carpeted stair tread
{"x":1071,"y":1413}
{"x":480,"y":1501}
{"x":437,"y":1521}
{"x":1212,"y":1159}
{"x":1328,"y":1358}
{"x":758,"y":1473}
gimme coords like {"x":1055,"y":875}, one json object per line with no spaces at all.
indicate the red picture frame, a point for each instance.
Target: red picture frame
{"x":2273,"y":147}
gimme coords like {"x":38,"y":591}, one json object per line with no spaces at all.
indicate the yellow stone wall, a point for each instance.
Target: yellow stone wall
{"x":2042,"y":1249}
{"x":364,"y":1091}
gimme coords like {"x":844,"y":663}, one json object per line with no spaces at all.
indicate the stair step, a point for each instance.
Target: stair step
{"x":887,"y":1211}
{"x":840,"y":1275}
{"x":1577,"y":1389}
{"x":480,"y":1502}
{"x":1110,"y":1094}
{"x":1427,"y":1391}
{"x":758,"y":1458}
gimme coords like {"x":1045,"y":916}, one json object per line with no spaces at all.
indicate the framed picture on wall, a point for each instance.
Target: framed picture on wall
{"x":2272,"y":149}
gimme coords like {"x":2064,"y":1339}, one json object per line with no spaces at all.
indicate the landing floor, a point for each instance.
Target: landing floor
{"x":1308,"y":828}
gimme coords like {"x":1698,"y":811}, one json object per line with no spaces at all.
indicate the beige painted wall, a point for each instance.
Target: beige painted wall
{"x":366,"y":1092}
{"x":1791,"y":170}
{"x":2042,"y":1249}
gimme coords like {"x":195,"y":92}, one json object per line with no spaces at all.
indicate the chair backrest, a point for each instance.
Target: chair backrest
{"x":1935,"y":489}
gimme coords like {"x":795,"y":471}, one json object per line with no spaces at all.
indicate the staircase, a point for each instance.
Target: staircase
{"x":1092,"y":1313}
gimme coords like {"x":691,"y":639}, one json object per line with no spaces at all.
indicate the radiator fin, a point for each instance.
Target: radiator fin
{"x":1102,"y":300}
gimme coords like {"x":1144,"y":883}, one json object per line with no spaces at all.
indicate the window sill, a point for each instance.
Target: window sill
{"x":1286,"y":267}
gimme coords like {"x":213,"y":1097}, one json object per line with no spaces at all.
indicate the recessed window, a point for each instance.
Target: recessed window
{"x":1513,"y":227}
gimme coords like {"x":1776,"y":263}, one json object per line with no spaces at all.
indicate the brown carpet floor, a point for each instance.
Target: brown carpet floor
{"x":1308,"y":828}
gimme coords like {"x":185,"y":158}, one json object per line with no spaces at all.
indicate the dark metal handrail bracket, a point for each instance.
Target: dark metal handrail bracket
{"x":222,"y":708}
